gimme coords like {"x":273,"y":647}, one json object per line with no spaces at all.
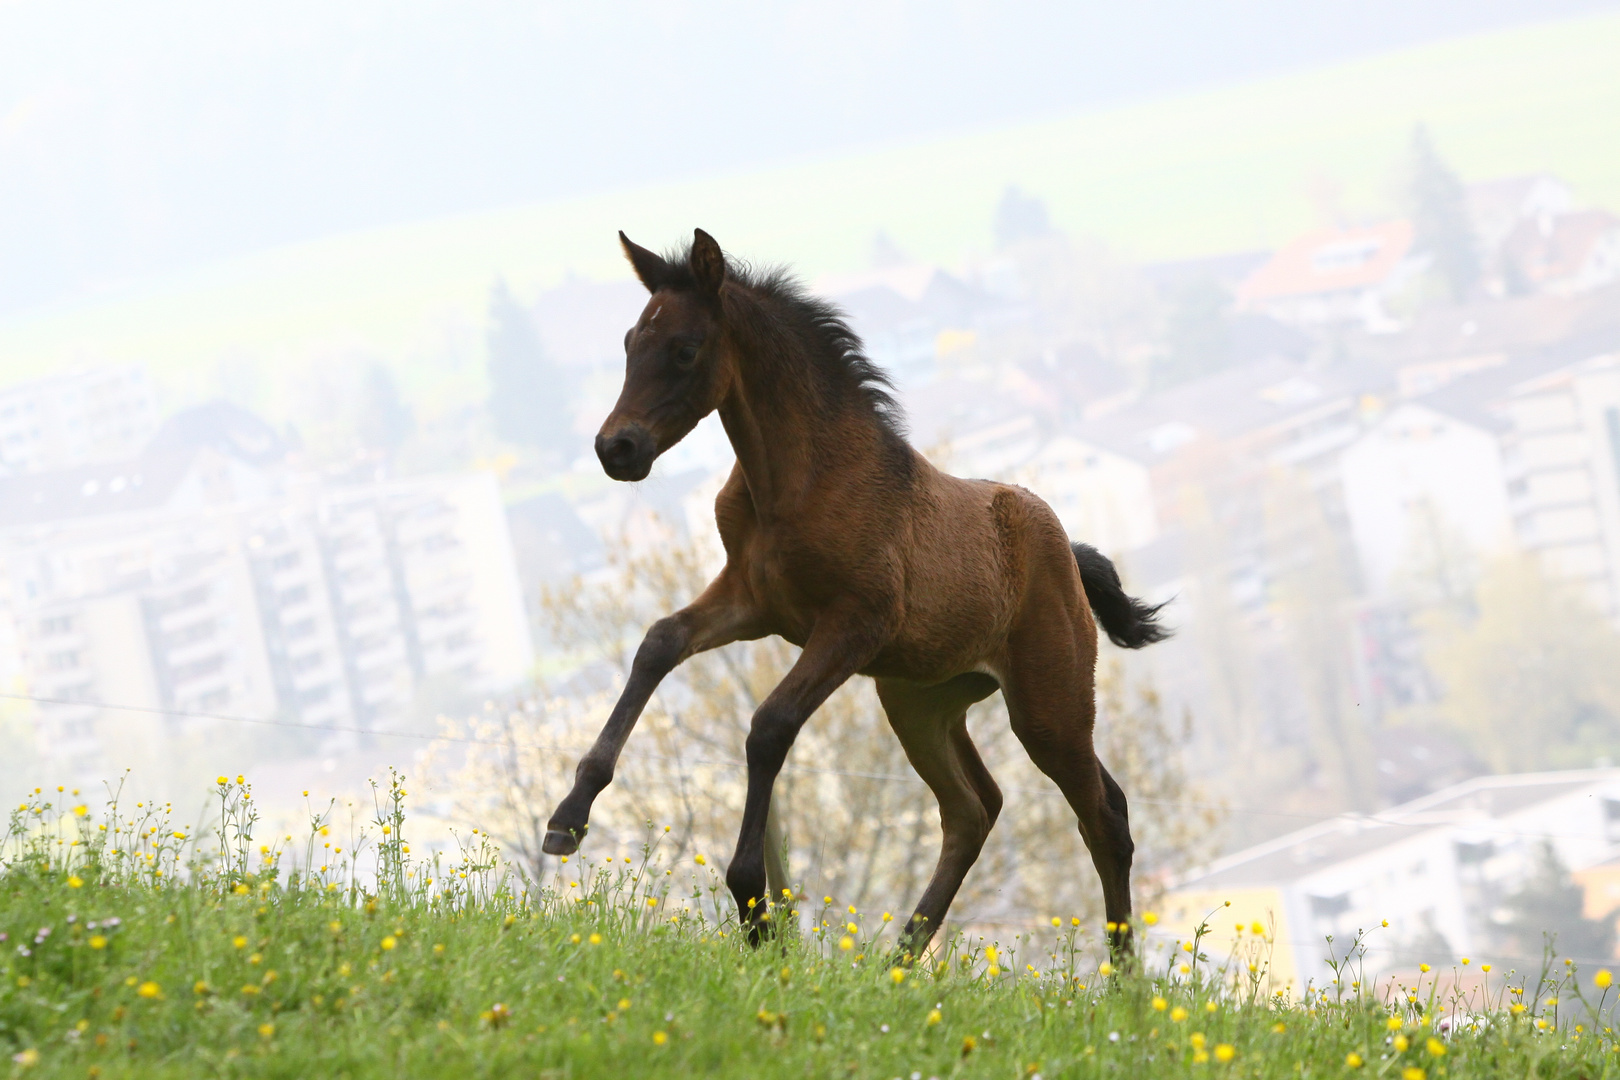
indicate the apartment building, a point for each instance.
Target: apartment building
{"x":76,"y":418}
{"x":197,"y":585}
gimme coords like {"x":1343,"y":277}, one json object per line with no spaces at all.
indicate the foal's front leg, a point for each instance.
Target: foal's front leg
{"x":835,"y":650}
{"x":720,"y":616}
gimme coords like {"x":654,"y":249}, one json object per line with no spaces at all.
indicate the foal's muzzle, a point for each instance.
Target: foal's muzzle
{"x":628,"y":453}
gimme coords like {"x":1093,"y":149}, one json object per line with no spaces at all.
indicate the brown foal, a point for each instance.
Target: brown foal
{"x":842,"y":539}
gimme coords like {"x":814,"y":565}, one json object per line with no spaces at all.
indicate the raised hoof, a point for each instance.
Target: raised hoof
{"x":559,"y":843}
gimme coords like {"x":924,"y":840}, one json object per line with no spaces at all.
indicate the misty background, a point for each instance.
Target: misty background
{"x":1309,"y":316}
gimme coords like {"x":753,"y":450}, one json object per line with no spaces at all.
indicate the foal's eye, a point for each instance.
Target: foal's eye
{"x":686,"y":356}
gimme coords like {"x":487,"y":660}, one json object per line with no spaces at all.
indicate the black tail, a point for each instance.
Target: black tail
{"x":1129,"y":623}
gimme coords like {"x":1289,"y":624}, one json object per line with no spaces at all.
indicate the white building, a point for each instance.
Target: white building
{"x":1437,"y":869}
{"x":198,"y":584}
{"x":76,"y":418}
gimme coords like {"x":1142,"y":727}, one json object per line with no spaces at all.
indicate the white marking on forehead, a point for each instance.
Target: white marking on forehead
{"x":654,"y":316}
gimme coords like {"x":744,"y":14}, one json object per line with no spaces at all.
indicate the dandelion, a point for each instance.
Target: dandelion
{"x":596,"y":939}
{"x":81,"y":810}
{"x":1159,"y":1004}
{"x":1105,"y":969}
{"x":1178,"y":1014}
{"x":1401,"y":1044}
{"x":1075,"y":921}
{"x":239,"y":941}
{"x":660,"y":1038}
{"x":1353,"y":1060}
{"x":75,"y":882}
{"x":934,"y":1017}
{"x":1149,"y":919}
{"x":1412,"y":1072}
{"x":1056,"y":921}
{"x":846,"y":943}
{"x":149,"y":989}
{"x":1225,"y":1052}
{"x":1485,"y":968}
{"x":1394,"y":1023}
{"x":897,"y":975}
{"x":1423,"y":968}
{"x":98,"y":942}
{"x":388,"y":944}
{"x":266,"y":1030}
{"x":1210,"y":1006}
{"x":1435,"y":1047}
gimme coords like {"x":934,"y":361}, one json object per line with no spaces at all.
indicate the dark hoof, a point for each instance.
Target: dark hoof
{"x":559,"y":843}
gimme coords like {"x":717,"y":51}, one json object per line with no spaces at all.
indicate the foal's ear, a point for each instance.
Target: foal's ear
{"x":650,"y":267}
{"x":708,"y":264}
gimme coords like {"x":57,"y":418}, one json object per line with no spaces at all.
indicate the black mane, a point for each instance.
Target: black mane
{"x":839,"y":368}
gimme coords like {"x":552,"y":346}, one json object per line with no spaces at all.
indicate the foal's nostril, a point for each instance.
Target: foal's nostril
{"x":619,"y":451}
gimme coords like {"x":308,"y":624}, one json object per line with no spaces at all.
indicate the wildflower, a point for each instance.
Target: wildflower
{"x":98,"y":942}
{"x":700,"y":860}
{"x":149,"y":989}
{"x":1401,"y":1043}
{"x":222,"y":781}
{"x":660,"y":1038}
{"x":1210,"y":1006}
{"x":1435,"y":1047}
{"x":890,"y":918}
{"x":1178,"y":1014}
{"x":933,"y":1017}
{"x":969,"y":1043}
{"x":846,"y":943}
{"x":596,"y":939}
{"x":199,"y":987}
{"x":1485,"y":967}
{"x":239,"y":941}
{"x":1159,"y":1004}
{"x":27,"y":1059}
{"x":1075,"y":921}
{"x":1352,"y":1060}
{"x":1603,"y":979}
{"x":897,"y":975}
{"x":81,"y":810}
{"x":240,"y":890}
{"x":652,"y":901}
{"x":1423,"y":968}
{"x":1056,"y":921}
{"x":1257,"y":929}
{"x":249,"y":988}
{"x":75,"y":882}
{"x":1465,"y":961}
{"x":496,"y":1015}
{"x":266,"y":1030}
{"x":1412,"y":1072}
{"x":1105,"y":969}
{"x":1225,"y":1052}
{"x":1278,"y":1028}
{"x":388,"y":944}
{"x":1149,"y":919}
{"x":1394,"y":1023}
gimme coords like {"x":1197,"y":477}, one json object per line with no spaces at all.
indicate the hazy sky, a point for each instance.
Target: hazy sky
{"x":141,"y":138}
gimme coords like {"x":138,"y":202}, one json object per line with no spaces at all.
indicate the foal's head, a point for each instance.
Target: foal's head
{"x":677,"y":368}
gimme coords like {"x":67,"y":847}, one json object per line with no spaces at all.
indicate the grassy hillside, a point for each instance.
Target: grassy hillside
{"x":130,"y":953}
{"x":1230,"y":169}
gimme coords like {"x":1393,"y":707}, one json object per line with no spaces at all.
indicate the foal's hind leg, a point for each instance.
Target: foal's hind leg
{"x":1050,"y":688}
{"x":931,"y":723}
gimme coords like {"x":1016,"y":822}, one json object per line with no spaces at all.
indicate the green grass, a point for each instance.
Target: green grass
{"x":184,"y":955}
{"x":1229,"y":169}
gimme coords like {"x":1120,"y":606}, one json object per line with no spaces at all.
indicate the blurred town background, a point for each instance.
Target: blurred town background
{"x":1320,"y":341}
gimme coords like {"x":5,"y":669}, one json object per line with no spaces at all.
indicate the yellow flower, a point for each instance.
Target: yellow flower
{"x":388,"y":943}
{"x":239,"y":941}
{"x":1412,"y":1072}
{"x":149,"y":989}
{"x":933,"y":1017}
{"x":659,"y":1038}
{"x":1149,"y":919}
{"x":240,"y":890}
{"x":1435,"y":1047}
{"x":1178,"y":1014}
{"x":1353,"y":1060}
{"x":1056,"y":921}
{"x":846,"y":943}
{"x":1210,"y":1006}
{"x":897,"y":975}
{"x":1225,"y":1052}
{"x":1159,"y":1004}
{"x":266,"y":1030}
{"x":1394,"y":1023}
{"x":1075,"y":921}
{"x":596,"y":939}
{"x":1485,"y":967}
{"x":1257,"y":927}
{"x":700,"y":860}
{"x":1105,"y":969}
{"x":624,"y":1004}
{"x":98,"y":942}
{"x":241,"y":779}
{"x":75,"y":882}
{"x":224,"y":780}
{"x":1603,"y":979}
{"x":1423,"y":968}
{"x":990,"y":954}
{"x":1278,"y":1028}
{"x":1401,"y":1043}
{"x":27,"y":1059}
{"x":81,"y":810}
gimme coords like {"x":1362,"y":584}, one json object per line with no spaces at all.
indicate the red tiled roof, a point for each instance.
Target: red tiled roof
{"x":1331,"y":260}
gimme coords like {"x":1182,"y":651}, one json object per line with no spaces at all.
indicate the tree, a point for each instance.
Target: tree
{"x":1527,"y":670}
{"x":856,"y":822}
{"x":528,"y":392}
{"x":1197,"y":334}
{"x":384,"y":420}
{"x":1549,"y":905}
{"x":1440,"y":221}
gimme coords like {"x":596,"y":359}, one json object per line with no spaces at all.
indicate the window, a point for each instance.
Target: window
{"x":56,"y":624}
